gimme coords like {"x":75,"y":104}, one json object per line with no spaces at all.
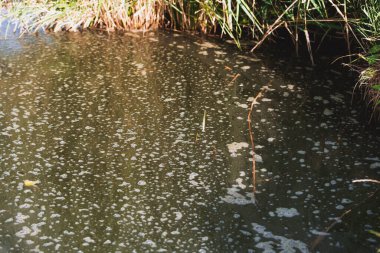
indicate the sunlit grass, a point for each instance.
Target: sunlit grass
{"x":256,"y":19}
{"x":109,"y":15}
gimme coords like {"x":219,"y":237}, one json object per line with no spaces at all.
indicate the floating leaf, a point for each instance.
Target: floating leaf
{"x":30,"y":183}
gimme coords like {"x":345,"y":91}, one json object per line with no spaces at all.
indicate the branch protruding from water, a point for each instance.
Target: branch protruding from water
{"x":259,"y":95}
{"x":366,"y":181}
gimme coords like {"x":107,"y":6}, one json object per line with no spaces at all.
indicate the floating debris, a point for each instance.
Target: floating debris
{"x":234,"y":197}
{"x":328,"y":112}
{"x":285,"y":212}
{"x":30,"y":183}
{"x":234,"y":147}
{"x":281,"y":243}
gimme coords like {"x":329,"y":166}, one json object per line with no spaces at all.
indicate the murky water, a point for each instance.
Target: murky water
{"x":113,"y":129}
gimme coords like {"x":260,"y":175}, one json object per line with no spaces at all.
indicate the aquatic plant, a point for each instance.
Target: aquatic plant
{"x":369,"y":76}
{"x":369,"y":28}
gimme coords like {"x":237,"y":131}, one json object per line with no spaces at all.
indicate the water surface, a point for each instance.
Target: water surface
{"x":113,"y":128}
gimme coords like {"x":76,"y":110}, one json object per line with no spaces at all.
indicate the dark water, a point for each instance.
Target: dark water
{"x":112,"y":128}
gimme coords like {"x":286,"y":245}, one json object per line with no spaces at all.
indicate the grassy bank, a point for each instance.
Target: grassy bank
{"x":308,"y":22}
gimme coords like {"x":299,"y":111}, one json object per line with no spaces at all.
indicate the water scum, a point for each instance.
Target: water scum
{"x":112,"y":127}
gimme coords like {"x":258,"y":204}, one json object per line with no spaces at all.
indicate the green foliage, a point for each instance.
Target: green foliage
{"x":374,"y":49}
{"x":372,"y":58}
{"x":369,"y":22}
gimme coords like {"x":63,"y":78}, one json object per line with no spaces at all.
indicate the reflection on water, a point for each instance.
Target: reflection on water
{"x":111,"y":126}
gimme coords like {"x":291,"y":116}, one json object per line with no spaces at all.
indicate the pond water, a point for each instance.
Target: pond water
{"x":140,"y":144}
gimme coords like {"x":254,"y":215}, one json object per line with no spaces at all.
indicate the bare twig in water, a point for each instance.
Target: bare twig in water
{"x":204,"y":121}
{"x":319,"y":239}
{"x":366,"y":181}
{"x":233,"y":79}
{"x":259,"y":95}
{"x":214,"y":152}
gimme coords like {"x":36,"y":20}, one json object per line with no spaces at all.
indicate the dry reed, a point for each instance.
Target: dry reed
{"x":251,"y":136}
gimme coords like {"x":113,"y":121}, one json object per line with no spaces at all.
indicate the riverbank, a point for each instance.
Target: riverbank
{"x":309,"y":24}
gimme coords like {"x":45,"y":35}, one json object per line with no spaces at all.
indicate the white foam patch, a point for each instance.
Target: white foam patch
{"x":239,"y":181}
{"x":346,"y":201}
{"x":23,"y":232}
{"x":193,"y":175}
{"x":207,"y":44}
{"x":251,"y":99}
{"x":353,"y":120}
{"x":141,"y":182}
{"x":20,"y":218}
{"x":374,"y":165}
{"x":316,"y":232}
{"x":286,"y":212}
{"x":235,"y":146}
{"x":290,"y":86}
{"x":258,"y":158}
{"x":139,"y":65}
{"x":204,"y":238}
{"x":178,"y":215}
{"x":278,"y":243}
{"x":328,"y":112}
{"x":220,"y":53}
{"x":337,"y":98}
{"x":234,"y":197}
{"x":150,"y":243}
{"x":242,"y":105}
{"x":246,"y":233}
